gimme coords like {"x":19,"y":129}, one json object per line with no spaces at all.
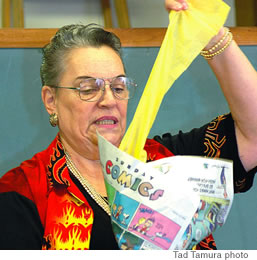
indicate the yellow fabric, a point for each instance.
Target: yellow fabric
{"x":187,"y":34}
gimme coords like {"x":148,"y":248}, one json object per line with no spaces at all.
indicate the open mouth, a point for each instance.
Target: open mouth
{"x":106,"y":122}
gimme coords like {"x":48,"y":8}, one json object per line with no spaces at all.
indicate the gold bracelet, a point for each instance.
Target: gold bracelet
{"x":211,"y":55}
{"x":217,"y":45}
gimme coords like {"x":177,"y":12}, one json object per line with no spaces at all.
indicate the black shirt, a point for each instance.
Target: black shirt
{"x":102,"y":237}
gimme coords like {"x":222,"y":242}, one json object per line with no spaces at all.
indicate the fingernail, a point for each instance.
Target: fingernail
{"x":185,"y":5}
{"x":178,"y":5}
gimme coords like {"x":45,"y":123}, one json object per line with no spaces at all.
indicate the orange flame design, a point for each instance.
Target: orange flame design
{"x":72,"y":228}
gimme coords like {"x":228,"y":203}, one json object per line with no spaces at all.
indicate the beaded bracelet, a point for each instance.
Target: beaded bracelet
{"x":217,"y":45}
{"x":208,"y":55}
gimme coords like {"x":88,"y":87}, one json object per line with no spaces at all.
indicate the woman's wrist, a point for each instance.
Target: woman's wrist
{"x":214,"y":40}
{"x":217,"y":44}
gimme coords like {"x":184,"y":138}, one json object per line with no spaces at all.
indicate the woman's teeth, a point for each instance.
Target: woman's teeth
{"x":105,"y":122}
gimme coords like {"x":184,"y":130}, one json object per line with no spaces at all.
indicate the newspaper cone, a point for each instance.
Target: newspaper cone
{"x":172,"y":203}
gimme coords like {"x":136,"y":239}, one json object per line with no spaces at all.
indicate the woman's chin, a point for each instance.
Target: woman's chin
{"x":113,"y":139}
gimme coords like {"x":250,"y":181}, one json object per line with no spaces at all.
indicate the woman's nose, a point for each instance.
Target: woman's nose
{"x":108,"y":97}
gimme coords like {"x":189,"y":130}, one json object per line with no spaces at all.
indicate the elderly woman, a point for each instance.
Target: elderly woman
{"x":57,"y":199}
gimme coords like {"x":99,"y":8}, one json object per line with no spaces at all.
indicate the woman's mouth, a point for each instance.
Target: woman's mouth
{"x":107,"y":122}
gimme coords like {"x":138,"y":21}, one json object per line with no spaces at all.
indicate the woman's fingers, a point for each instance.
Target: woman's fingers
{"x":176,"y":5}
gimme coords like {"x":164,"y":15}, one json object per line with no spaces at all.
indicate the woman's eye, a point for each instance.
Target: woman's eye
{"x":89,"y":90}
{"x":118,"y":88}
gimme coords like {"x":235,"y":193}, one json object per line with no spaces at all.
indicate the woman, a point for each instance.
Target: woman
{"x":57,"y":199}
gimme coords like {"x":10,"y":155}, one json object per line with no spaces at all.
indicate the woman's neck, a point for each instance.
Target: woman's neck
{"x":89,"y":167}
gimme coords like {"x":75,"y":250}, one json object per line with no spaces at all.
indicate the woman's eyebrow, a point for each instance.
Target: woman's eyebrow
{"x":90,"y":77}
{"x":121,"y":75}
{"x":83,"y":77}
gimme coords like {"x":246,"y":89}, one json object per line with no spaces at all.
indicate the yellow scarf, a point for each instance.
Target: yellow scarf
{"x":187,"y":34}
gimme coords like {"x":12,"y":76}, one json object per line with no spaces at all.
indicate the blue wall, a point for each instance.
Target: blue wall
{"x":194,"y":99}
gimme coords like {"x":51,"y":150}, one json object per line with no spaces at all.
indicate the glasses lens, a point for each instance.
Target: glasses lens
{"x":90,"y":89}
{"x":123,"y":88}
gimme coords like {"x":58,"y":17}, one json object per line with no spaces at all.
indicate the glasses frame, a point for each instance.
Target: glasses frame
{"x":110,"y":80}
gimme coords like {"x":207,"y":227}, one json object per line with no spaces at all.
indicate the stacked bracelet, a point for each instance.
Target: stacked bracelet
{"x":209,"y":54}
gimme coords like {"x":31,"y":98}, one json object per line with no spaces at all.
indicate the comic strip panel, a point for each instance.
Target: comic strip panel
{"x":130,"y":242}
{"x":208,"y":216}
{"x":123,"y":209}
{"x":154,"y":227}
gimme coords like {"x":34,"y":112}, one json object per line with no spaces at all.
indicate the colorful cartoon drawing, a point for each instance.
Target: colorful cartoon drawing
{"x":123,"y":209}
{"x":211,"y":217}
{"x":153,"y":227}
{"x":187,"y":237}
{"x":139,"y":223}
{"x":145,"y":226}
{"x":220,"y":217}
{"x":118,"y":211}
{"x":223,"y":182}
{"x":207,"y":217}
{"x":114,"y":208}
{"x":124,"y":220}
{"x":130,"y":242}
{"x":200,"y":209}
{"x":126,"y":240}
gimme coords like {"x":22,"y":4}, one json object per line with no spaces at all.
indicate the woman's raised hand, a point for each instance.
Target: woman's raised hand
{"x":176,"y":5}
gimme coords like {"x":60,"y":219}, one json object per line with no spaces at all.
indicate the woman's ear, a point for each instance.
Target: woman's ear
{"x":48,"y":96}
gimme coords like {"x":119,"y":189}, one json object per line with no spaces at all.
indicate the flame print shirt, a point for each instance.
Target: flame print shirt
{"x":44,"y":207}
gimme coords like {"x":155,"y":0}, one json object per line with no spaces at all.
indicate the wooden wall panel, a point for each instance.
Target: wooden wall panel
{"x":134,"y":37}
{"x":246,"y":12}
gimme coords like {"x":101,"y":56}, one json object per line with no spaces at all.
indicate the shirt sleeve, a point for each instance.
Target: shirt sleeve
{"x":217,"y":140}
{"x":20,"y":223}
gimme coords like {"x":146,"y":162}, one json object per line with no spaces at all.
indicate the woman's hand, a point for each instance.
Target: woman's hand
{"x":216,"y":39}
{"x":180,"y":5}
{"x":176,"y":5}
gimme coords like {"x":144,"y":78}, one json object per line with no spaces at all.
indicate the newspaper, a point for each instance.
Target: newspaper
{"x":172,"y":203}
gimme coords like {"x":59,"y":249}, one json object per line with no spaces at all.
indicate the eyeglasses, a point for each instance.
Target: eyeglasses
{"x":92,"y":89}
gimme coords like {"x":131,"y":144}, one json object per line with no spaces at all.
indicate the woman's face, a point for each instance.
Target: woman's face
{"x":78,"y":120}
